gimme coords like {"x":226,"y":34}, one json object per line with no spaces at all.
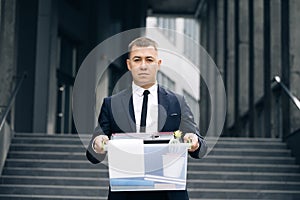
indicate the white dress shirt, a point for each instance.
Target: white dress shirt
{"x":152,"y":109}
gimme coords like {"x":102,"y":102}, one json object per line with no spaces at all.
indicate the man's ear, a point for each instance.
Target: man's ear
{"x":128,"y":64}
{"x":159,"y":63}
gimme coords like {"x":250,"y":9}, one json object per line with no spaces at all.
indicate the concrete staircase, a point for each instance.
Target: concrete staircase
{"x":54,"y":167}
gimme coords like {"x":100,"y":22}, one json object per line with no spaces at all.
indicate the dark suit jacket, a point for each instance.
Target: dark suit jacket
{"x":117,"y":116}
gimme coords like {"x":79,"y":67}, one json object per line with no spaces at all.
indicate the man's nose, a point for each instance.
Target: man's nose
{"x":143,"y":64}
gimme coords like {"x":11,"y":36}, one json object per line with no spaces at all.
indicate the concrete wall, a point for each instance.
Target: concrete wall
{"x":275,"y":60}
{"x":230,"y":59}
{"x":243,"y":66}
{"x":213,"y":67}
{"x":7,"y":50}
{"x":294,"y":62}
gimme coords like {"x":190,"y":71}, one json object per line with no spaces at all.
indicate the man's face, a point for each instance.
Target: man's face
{"x":143,"y":63}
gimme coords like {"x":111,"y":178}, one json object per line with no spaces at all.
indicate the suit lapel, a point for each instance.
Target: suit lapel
{"x":128,"y":109}
{"x":162,"y":107}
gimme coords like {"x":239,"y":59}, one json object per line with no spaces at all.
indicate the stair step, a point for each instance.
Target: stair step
{"x":203,"y":166}
{"x":103,"y":173}
{"x":88,"y":191}
{"x":243,"y":167}
{"x":191,"y":183}
{"x":79,"y":141}
{"x":243,"y":139}
{"x":47,"y":155}
{"x":215,"y":151}
{"x":231,"y":175}
{"x":49,"y":167}
{"x":244,"y":194}
{"x":43,"y":135}
{"x":88,"y":136}
{"x":47,"y":140}
{"x":95,"y":191}
{"x":248,"y":145}
{"x":39,"y":171}
{"x":47,"y":147}
{"x":47,"y":163}
{"x":47,"y":197}
{"x":242,"y":184}
{"x":246,"y":159}
{"x":55,"y":180}
{"x":250,"y":152}
{"x":208,"y":159}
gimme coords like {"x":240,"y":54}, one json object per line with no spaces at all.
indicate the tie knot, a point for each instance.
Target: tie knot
{"x":146,"y":92}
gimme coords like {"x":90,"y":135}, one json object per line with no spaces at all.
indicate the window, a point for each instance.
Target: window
{"x":191,"y":29}
{"x":194,"y":105}
{"x":167,"y":23}
{"x":165,"y":81}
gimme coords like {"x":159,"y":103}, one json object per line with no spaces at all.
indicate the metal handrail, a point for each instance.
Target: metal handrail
{"x":295,"y":100}
{"x":11,"y":100}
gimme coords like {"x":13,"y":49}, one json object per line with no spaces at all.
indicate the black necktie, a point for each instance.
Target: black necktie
{"x":144,"y":111}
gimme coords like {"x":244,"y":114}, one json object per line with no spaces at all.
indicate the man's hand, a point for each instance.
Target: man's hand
{"x":99,"y":142}
{"x":193,"y":140}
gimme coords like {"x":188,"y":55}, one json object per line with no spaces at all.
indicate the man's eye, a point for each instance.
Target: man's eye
{"x":150,"y":60}
{"x":136,"y":60}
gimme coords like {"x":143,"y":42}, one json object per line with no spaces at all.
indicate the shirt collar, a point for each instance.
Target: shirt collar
{"x":139,"y":90}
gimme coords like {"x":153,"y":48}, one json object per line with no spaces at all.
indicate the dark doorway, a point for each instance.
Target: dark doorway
{"x":65,"y":80}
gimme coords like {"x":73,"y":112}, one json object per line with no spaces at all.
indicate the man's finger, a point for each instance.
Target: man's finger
{"x":193,"y":140}
{"x":99,"y":143}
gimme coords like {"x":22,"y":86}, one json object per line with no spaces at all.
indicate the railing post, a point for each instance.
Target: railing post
{"x":282,"y":102}
{"x":278,"y":115}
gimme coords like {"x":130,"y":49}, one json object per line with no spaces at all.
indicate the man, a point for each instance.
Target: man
{"x":167,"y":112}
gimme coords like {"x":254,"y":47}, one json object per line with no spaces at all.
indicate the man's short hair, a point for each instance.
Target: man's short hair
{"x":142,"y":42}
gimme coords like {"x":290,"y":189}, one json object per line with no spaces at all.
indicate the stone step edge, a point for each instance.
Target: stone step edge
{"x":16,"y":186}
{"x":90,"y":134}
{"x":215,"y":148}
{"x":190,"y":163}
{"x":189,"y":180}
{"x":189,"y":171}
{"x":50,"y":196}
{"x":210,"y":156}
{"x":54,"y":186}
{"x":72,"y":139}
{"x":244,"y":191}
{"x":76,"y":197}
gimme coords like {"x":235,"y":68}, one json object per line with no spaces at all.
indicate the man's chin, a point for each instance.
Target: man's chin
{"x":144,"y":84}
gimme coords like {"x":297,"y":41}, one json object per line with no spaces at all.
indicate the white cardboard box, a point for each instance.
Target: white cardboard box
{"x":135,"y":166}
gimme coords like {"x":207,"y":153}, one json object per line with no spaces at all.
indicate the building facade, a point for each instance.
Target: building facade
{"x":49,"y":39}
{"x":252,"y":42}
{"x":180,"y":36}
